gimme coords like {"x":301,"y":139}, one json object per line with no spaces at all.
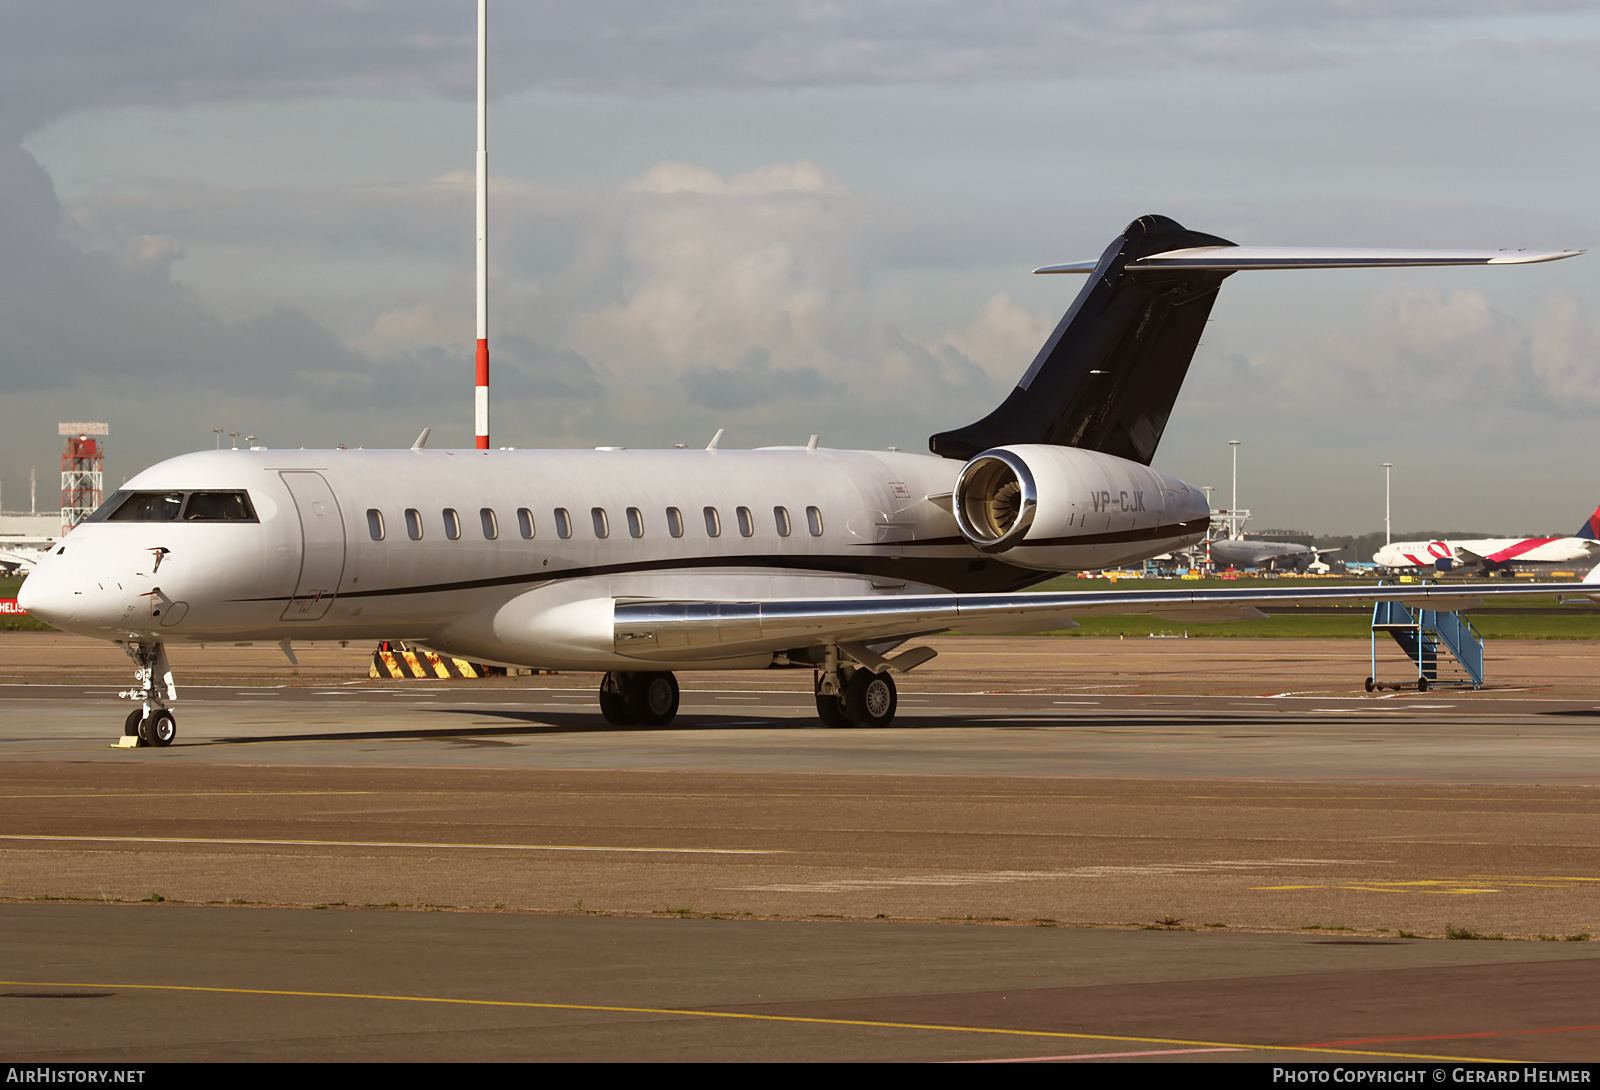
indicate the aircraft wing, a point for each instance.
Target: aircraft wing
{"x":1238,"y":258}
{"x":678,"y":630}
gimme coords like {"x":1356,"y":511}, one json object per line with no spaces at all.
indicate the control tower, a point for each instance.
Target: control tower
{"x":82,"y":471}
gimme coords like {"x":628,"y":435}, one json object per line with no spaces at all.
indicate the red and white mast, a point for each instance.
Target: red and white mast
{"x":481,"y":394}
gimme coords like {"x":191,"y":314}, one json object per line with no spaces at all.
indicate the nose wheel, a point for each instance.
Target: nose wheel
{"x":158,"y":728}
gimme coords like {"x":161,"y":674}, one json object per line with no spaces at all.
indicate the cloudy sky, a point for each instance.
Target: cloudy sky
{"x":804,"y":217}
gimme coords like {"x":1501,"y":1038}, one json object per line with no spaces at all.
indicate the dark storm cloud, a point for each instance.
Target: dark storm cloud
{"x":60,"y":57}
{"x":755,"y":382}
{"x":67,"y":315}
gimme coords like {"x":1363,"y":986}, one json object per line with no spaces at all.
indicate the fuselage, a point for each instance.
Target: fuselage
{"x":502,"y":554}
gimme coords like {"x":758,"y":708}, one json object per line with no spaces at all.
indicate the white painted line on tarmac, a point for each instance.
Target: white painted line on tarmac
{"x":381,"y":844}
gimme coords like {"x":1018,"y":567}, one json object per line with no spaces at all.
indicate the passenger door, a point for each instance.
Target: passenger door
{"x":322,"y":545}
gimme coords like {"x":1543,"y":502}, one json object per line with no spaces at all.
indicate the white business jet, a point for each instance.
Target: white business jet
{"x":642,"y":563}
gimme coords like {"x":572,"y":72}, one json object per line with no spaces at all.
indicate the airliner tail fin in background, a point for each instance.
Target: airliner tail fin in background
{"x":1591,"y":527}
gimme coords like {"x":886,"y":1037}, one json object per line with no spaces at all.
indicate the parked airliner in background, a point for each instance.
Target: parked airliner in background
{"x":1496,"y":556}
{"x":21,"y":557}
{"x":1244,"y":552}
{"x":641,"y":563}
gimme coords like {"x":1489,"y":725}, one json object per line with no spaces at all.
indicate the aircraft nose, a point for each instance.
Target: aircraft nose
{"x":44,"y":594}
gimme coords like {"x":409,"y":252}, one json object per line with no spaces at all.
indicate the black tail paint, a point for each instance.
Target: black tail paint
{"x":1109,"y":374}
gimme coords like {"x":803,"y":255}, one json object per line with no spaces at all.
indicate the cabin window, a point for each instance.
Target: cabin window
{"x":525,"y":522}
{"x":563,"y":523}
{"x":602,"y":526}
{"x":218,"y":507}
{"x":814,"y":520}
{"x":375,"y":523}
{"x":452,"y":524}
{"x":674,"y":522}
{"x":780,"y":516}
{"x":491,"y":525}
{"x":413,"y":524}
{"x":713,"y":522}
{"x":635,"y":522}
{"x":747,"y":522}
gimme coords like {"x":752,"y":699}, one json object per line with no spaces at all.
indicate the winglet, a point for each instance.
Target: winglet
{"x":422,"y":440}
{"x":715,"y":439}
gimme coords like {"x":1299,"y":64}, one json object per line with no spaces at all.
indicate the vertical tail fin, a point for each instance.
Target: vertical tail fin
{"x":1107,"y":378}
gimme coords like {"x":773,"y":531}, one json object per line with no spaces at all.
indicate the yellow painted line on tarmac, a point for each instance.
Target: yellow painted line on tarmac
{"x":1540,"y":885}
{"x":684,"y":1012}
{"x":199,"y":794}
{"x":232,"y":841}
{"x":1385,"y":887}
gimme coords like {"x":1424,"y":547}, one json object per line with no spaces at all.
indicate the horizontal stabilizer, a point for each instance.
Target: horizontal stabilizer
{"x":1238,"y":258}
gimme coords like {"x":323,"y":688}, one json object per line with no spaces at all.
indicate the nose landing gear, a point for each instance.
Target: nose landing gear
{"x":152,"y":723}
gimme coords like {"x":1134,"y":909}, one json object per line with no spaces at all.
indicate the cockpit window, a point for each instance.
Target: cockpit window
{"x":230,"y":506}
{"x":148,"y":507}
{"x":218,"y":507}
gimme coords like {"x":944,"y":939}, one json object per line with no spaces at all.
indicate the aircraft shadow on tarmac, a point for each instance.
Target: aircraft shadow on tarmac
{"x":532,"y":724}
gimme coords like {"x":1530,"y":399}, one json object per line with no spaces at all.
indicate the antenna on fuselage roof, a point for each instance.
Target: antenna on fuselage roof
{"x":480,"y":408}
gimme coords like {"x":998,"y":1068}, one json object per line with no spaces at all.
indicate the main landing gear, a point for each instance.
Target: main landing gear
{"x":152,"y":723}
{"x":853,"y":696}
{"x":639,"y":699}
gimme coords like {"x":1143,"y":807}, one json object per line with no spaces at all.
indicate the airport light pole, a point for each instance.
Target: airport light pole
{"x":1233,"y":512}
{"x":1387,"y":466}
{"x":480,"y":404}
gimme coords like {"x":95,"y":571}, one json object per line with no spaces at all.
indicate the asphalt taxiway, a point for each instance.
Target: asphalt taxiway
{"x":1068,"y":847}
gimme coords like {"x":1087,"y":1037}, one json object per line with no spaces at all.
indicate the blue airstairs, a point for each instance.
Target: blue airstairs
{"x":1421,"y":633}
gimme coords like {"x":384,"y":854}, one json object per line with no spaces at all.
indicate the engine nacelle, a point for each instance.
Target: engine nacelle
{"x":1064,"y":509}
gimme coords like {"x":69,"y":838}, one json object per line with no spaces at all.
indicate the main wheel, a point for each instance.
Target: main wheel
{"x":130,"y":725}
{"x":870,"y":699}
{"x":651,"y":698}
{"x":613,"y":703}
{"x":830,"y":709}
{"x":158,"y":728}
